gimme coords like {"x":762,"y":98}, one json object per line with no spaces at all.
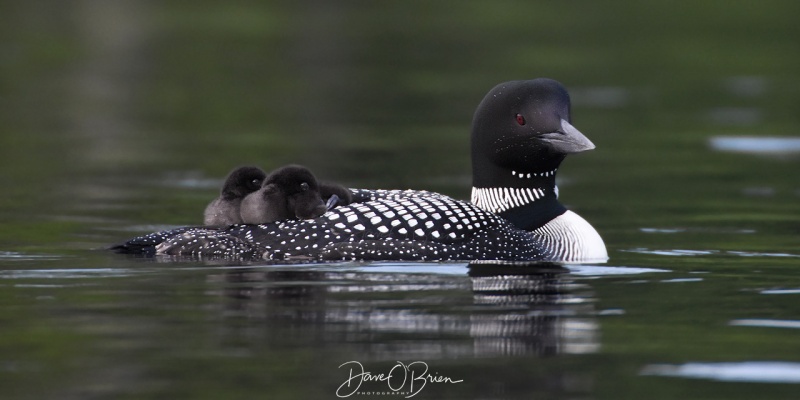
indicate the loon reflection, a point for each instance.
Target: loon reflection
{"x":513,"y":310}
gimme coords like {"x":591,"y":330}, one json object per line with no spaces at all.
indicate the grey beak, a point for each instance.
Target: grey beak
{"x":332,"y":202}
{"x":568,"y":139}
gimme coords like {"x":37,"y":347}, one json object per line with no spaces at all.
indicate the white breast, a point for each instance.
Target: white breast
{"x":573,"y":239}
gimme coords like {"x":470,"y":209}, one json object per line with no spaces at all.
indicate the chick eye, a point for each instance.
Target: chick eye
{"x":520,"y":119}
{"x":304,"y":186}
{"x":256,"y":182}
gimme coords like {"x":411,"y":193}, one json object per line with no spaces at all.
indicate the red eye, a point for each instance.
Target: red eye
{"x":520,"y":119}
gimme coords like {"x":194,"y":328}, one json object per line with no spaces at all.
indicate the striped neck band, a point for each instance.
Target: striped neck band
{"x":497,"y":200}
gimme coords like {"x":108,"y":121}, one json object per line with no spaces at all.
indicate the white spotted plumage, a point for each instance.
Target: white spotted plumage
{"x":365,"y":231}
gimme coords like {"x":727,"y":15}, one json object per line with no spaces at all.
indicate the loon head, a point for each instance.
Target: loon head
{"x":522,"y":129}
{"x":335,"y":195}
{"x":521,"y":132}
{"x":241,"y":182}
{"x":291,"y":192}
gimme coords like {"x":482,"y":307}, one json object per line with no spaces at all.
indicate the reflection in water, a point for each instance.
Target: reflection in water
{"x":512,"y":311}
{"x":547,"y":304}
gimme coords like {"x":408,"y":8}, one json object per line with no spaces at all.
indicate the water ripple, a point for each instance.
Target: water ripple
{"x":767,"y":145}
{"x":766,"y":323}
{"x":15,"y":256}
{"x":696,"y":230}
{"x":602,"y":270}
{"x":682,"y":252}
{"x":747,"y":371}
{"x":672,"y":252}
{"x":752,"y":254}
{"x":411,"y":268}
{"x":780,"y":291}
{"x":66,"y":273}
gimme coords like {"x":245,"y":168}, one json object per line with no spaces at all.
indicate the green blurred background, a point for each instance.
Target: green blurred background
{"x":99,"y":96}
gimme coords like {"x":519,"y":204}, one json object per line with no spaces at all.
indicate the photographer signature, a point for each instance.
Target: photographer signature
{"x":414,"y":374}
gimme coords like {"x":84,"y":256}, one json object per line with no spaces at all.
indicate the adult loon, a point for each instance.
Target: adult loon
{"x":290,"y":192}
{"x":224,"y":210}
{"x":521,"y":132}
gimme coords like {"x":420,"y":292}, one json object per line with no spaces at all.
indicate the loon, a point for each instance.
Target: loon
{"x":521,"y":132}
{"x":224,"y":210}
{"x":335,"y":194}
{"x":290,"y":192}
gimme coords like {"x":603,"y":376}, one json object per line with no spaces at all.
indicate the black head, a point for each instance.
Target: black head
{"x":523,"y":126}
{"x":242,"y":181}
{"x":336,"y":195}
{"x":300,"y":189}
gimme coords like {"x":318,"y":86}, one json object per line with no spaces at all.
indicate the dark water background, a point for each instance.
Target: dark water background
{"x":119,"y":118}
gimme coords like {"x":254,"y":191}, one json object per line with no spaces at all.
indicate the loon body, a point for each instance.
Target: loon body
{"x":288,"y":193}
{"x":390,"y":225}
{"x":224,"y":210}
{"x":521,"y":133}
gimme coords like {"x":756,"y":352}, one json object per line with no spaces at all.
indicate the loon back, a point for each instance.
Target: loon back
{"x":385,"y":225}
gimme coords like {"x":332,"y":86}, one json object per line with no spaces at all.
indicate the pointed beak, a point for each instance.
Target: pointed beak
{"x":568,"y":139}
{"x":332,"y":202}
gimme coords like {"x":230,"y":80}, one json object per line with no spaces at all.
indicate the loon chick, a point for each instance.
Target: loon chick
{"x":521,"y":132}
{"x":335,"y":195}
{"x":224,"y":210}
{"x":290,"y":192}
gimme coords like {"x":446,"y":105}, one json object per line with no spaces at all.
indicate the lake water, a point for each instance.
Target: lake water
{"x":121,"y":118}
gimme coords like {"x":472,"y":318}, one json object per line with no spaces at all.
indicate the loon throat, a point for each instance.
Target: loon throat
{"x":528,"y":188}
{"x":498,"y":200}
